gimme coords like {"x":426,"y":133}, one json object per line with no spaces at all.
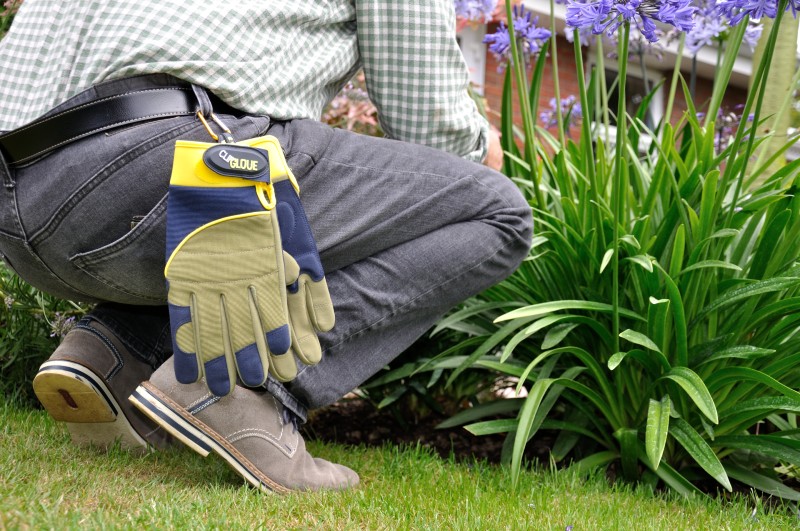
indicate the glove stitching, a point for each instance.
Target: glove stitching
{"x":238,"y":281}
{"x":211,"y":253}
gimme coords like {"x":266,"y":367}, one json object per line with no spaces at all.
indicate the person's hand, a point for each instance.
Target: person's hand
{"x":494,"y":157}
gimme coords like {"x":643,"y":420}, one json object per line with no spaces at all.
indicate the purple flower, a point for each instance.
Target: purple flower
{"x":571,"y":113}
{"x":608,"y":15}
{"x":712,"y":22}
{"x":499,"y":41}
{"x":752,"y":34}
{"x":736,"y":10}
{"x":61,"y":325}
{"x":529,"y":36}
{"x":477,"y":10}
{"x":584,"y":34}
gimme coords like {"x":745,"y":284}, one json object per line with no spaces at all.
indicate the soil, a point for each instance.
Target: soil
{"x":356,"y":421}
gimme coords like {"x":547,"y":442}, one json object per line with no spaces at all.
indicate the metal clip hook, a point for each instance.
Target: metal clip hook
{"x":226,"y":137}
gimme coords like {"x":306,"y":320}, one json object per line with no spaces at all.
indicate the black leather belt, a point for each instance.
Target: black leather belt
{"x":48,"y":133}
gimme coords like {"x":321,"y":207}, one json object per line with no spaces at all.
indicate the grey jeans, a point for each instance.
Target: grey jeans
{"x":405,"y":232}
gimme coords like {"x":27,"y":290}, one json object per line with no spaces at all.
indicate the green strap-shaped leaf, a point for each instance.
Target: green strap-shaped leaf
{"x":590,"y":463}
{"x":705,"y":264}
{"x":696,"y":389}
{"x":777,"y":448}
{"x":671,"y":477}
{"x":557,"y":334}
{"x":745,"y":352}
{"x":495,"y":407}
{"x":470,"y":311}
{"x":734,"y":374}
{"x":525,"y":423}
{"x":700,"y":451}
{"x":655,"y":438}
{"x":491,"y":427}
{"x":639,"y":339}
{"x":545,"y":308}
{"x":629,"y":446}
{"x":643,"y":261}
{"x":757,"y":288}
{"x":606,"y":260}
{"x":615,"y":360}
{"x":762,"y":483}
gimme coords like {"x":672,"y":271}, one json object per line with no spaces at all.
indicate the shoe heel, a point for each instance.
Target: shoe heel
{"x":74,"y":395}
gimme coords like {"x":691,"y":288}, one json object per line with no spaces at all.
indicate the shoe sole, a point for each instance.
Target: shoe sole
{"x":197,"y":435}
{"x":73,"y":394}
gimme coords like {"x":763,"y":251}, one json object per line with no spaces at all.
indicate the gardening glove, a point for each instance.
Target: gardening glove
{"x":225,"y":265}
{"x":310,"y":305}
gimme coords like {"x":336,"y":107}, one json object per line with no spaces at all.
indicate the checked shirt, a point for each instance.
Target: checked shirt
{"x":285,"y":59}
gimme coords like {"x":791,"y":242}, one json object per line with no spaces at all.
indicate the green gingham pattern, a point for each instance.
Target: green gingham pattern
{"x":282,"y":59}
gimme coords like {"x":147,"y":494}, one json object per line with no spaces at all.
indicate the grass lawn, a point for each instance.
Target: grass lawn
{"x":47,"y":483}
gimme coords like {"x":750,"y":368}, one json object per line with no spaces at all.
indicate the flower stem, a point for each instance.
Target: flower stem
{"x":556,"y":85}
{"x":601,"y":69}
{"x":518,"y":64}
{"x":586,"y":134}
{"x":759,"y":88}
{"x":618,"y":189}
{"x":676,"y":72}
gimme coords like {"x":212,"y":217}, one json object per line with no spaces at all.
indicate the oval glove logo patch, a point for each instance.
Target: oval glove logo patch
{"x":238,"y":161}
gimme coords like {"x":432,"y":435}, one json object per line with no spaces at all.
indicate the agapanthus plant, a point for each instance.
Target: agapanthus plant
{"x":475,"y":10}
{"x":529,"y":35}
{"x":606,"y":16}
{"x":713,"y":24}
{"x":571,"y":113}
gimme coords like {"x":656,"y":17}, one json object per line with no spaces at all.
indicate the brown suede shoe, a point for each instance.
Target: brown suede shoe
{"x":85,"y":384}
{"x":247,"y":428}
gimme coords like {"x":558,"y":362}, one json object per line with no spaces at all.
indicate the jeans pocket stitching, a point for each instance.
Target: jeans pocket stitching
{"x":85,"y":260}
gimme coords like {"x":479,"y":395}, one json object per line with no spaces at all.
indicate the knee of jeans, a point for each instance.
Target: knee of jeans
{"x":512,"y":214}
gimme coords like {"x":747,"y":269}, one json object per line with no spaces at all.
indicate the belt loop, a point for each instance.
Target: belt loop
{"x":8,"y":179}
{"x":203,"y":100}
{"x":206,"y":109}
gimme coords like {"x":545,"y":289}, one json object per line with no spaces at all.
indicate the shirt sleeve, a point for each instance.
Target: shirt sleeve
{"x":417,"y":77}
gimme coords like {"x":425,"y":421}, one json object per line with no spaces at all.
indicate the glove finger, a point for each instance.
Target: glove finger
{"x":291,"y":269}
{"x":320,"y":305}
{"x":211,"y":337}
{"x":283,"y":367}
{"x":252,"y":359}
{"x":187,"y":367}
{"x":305,"y":342}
